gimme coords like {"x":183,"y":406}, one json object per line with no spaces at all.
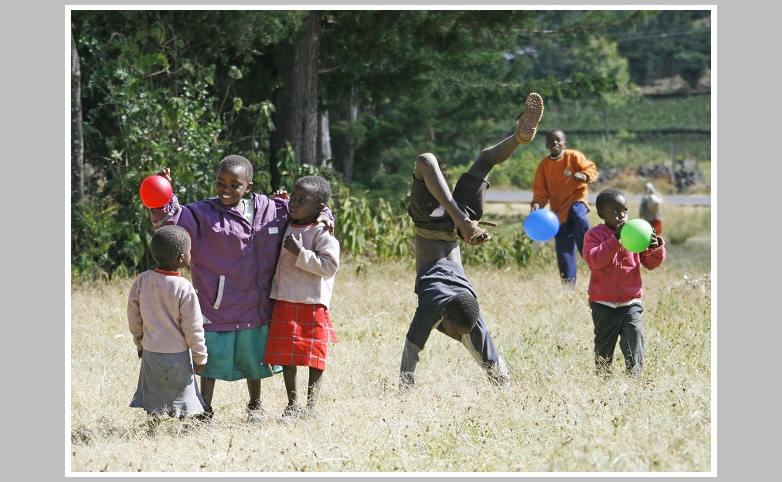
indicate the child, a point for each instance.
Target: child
{"x":302,"y":286}
{"x":561,"y":179}
{"x":447,"y":301}
{"x":167,"y":328}
{"x":237,"y":241}
{"x":615,"y":287}
{"x":651,"y":208}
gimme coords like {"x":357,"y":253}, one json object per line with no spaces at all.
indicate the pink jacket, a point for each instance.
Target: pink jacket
{"x":616,"y":272}
{"x":164,"y":315}
{"x":309,"y":277}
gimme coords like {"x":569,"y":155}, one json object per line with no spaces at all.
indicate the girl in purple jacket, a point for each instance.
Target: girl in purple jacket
{"x":236,"y":244}
{"x":615,"y":287}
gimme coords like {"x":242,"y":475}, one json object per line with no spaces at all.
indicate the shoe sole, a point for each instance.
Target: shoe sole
{"x":527,"y":125}
{"x":473,"y":241}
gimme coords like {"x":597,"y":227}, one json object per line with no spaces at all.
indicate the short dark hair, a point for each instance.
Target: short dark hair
{"x":321,"y":186}
{"x":463,"y":310}
{"x":168,"y":244}
{"x":556,"y":130}
{"x":606,"y":195}
{"x":235,"y":160}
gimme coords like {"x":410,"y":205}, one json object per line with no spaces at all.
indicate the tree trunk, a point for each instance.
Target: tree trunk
{"x":344,"y":144}
{"x":324,"y":141}
{"x":296,"y":101}
{"x":77,"y":139}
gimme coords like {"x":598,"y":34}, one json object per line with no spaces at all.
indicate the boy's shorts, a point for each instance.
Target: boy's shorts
{"x":431,"y":219}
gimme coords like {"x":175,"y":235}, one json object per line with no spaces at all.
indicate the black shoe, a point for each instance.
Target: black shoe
{"x":206,"y":416}
{"x":255,"y":412}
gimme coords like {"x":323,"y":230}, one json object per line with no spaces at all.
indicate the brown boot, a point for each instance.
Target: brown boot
{"x":470,"y":233}
{"x":527,"y":121}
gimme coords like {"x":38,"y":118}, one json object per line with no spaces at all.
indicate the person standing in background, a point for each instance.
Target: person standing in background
{"x":651,"y":208}
{"x":561,"y":180}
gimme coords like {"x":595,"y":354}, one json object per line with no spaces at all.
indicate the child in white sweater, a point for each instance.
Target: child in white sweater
{"x":165,"y":320}
{"x":301,"y":327}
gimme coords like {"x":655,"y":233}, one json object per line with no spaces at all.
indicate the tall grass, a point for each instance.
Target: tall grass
{"x":556,"y":416}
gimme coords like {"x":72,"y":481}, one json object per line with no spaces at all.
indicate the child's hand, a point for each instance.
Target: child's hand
{"x":166,"y":172}
{"x":654,"y":244}
{"x":323,"y":219}
{"x":198,"y":369}
{"x":140,"y":352}
{"x":534,"y":207}
{"x":292,"y":244}
{"x":281,"y":194}
{"x":618,"y":229}
{"x":580,"y":177}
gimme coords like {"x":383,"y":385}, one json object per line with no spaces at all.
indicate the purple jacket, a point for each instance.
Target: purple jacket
{"x":232,"y":263}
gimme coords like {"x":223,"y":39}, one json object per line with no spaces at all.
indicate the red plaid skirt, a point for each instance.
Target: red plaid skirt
{"x":299,"y":335}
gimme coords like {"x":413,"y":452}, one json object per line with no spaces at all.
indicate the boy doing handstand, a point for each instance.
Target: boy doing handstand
{"x":447,"y":301}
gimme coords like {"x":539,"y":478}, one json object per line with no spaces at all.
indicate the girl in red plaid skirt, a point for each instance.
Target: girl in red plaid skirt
{"x":301,"y":327}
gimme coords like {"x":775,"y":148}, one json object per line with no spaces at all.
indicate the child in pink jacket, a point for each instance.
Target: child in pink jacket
{"x":615,"y":288}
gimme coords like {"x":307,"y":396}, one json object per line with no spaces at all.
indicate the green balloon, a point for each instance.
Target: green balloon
{"x":636,"y":235}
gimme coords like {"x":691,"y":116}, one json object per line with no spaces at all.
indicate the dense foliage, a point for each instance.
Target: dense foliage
{"x":182,"y":89}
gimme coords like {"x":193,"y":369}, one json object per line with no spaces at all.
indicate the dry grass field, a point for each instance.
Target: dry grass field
{"x":556,"y":417}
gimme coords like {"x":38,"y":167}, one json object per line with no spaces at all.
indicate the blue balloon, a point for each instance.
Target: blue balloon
{"x":541,"y":225}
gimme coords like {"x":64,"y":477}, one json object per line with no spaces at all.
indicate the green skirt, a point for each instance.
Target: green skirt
{"x":237,"y":355}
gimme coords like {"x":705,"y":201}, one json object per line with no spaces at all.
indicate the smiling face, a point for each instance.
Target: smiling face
{"x":556,"y":142}
{"x":303,"y":206}
{"x":231,"y":184}
{"x":614,"y":211}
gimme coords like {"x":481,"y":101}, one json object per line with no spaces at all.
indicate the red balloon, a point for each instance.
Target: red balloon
{"x":155,"y":191}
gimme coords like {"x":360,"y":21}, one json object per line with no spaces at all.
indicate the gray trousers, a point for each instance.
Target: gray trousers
{"x":480,"y":345}
{"x":622,"y":323}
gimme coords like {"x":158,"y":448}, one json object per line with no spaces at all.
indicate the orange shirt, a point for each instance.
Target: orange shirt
{"x":554,"y":183}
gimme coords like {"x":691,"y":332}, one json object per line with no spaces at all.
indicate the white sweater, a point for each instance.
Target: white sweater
{"x":308,"y":277}
{"x":164,"y":315}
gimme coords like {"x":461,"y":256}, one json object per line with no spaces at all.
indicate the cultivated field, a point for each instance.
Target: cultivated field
{"x":557,"y":416}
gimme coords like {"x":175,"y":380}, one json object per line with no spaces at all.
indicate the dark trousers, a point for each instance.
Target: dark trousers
{"x":569,"y":239}
{"x":481,"y":346}
{"x":623,"y":323}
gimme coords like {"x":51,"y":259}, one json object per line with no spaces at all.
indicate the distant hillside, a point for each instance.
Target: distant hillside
{"x":658,"y":114}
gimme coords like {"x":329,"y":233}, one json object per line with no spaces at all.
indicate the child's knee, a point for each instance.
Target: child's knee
{"x":427,"y":160}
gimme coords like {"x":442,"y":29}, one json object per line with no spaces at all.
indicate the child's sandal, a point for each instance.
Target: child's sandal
{"x":527,"y":121}
{"x":471,"y":234}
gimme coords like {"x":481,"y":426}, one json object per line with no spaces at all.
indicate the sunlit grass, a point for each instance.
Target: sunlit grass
{"x":557,"y":416}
